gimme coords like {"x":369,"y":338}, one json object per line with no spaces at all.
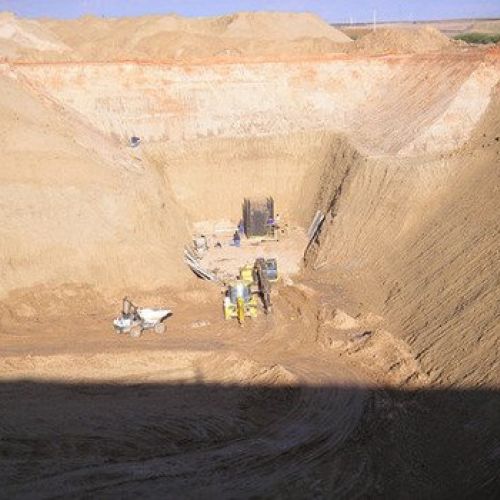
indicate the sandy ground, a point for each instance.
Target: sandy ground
{"x":226,"y":261}
{"x":288,"y":405}
{"x":199,"y":421}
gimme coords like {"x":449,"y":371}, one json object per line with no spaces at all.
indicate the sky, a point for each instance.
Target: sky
{"x":331,"y":10}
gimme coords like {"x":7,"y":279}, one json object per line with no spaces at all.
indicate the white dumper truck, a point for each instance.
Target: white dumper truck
{"x":134,"y":320}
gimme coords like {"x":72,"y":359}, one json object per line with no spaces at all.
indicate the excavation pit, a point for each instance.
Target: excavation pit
{"x":398,"y":151}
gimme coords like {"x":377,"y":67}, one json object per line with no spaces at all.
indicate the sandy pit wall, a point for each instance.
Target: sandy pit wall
{"x":75,"y":210}
{"x":417,"y":238}
{"x":211,"y":177}
{"x":393,"y":104}
{"x":266,"y":124}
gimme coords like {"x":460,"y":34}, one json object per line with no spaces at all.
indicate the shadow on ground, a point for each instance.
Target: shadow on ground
{"x":206,"y":440}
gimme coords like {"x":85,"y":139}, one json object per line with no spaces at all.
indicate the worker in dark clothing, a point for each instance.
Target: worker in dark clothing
{"x":236,"y":238}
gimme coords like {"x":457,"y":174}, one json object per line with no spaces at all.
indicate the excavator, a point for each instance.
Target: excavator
{"x":240,"y":300}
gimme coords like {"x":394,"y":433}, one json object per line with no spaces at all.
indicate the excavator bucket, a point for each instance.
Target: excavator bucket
{"x":240,"y":307}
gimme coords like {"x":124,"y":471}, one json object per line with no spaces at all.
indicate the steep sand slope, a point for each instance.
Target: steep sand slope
{"x":199,"y":122}
{"x":74,"y":208}
{"x":448,"y":270}
{"x":425,"y":233}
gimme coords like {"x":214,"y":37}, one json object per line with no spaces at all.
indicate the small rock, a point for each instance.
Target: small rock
{"x":342,"y":321}
{"x":25,"y":311}
{"x":200,"y":324}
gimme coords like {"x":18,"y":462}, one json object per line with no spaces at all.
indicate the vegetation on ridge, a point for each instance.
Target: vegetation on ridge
{"x":482,"y":38}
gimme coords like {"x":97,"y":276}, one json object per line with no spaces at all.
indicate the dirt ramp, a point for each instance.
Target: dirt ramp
{"x":196,"y":420}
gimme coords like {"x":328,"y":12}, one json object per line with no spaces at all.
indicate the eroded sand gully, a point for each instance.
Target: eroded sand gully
{"x":378,"y":371}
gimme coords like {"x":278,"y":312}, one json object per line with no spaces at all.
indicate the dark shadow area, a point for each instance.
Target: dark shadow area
{"x":153,"y":440}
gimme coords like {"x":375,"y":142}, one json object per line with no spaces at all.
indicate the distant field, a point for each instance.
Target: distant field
{"x":483,"y":30}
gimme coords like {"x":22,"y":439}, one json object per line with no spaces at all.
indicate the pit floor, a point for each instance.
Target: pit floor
{"x":226,"y":261}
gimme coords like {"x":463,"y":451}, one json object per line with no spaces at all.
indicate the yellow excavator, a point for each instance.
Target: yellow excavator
{"x":240,"y":300}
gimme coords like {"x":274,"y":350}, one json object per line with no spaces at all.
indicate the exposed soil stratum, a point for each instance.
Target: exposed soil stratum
{"x":376,"y":376}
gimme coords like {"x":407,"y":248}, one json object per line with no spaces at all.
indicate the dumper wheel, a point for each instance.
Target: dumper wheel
{"x":135,"y":331}
{"x":160,"y":328}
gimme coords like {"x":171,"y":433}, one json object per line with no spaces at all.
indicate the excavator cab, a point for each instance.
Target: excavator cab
{"x":272,"y":270}
{"x":247,"y":274}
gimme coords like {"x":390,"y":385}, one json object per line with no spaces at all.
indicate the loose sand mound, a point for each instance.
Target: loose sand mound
{"x":167,"y":37}
{"x":281,"y":26}
{"x":22,"y":37}
{"x":400,"y":40}
{"x":176,"y":37}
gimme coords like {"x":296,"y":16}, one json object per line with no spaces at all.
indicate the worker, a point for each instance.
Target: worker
{"x":236,"y":238}
{"x":128,"y":308}
{"x":135,"y":141}
{"x":276,"y":226}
